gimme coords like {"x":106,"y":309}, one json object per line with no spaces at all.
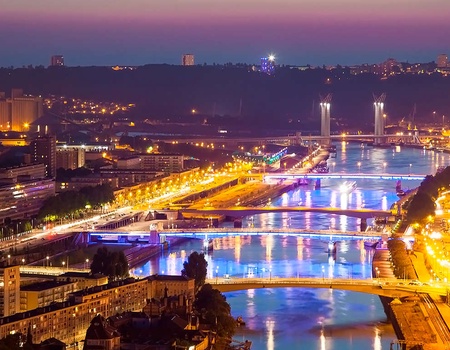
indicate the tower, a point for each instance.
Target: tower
{"x":268,"y":64}
{"x":187,"y":59}
{"x":9,"y":290}
{"x":379,"y":117}
{"x":43,"y":150}
{"x":57,"y":61}
{"x":325,"y":119}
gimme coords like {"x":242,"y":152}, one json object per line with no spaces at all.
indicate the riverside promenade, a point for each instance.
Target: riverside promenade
{"x":421,"y":321}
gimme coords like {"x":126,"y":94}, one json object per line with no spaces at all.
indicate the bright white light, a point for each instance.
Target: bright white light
{"x":271,"y":58}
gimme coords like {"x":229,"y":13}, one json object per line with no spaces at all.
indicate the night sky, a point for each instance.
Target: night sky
{"x":135,"y":32}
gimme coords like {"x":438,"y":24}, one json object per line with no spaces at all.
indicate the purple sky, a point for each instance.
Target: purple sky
{"x":134,"y":32}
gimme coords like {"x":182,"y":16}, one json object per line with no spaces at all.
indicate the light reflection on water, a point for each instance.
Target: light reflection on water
{"x":322,"y":319}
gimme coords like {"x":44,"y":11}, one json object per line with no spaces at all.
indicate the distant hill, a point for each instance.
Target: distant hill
{"x":290,"y":97}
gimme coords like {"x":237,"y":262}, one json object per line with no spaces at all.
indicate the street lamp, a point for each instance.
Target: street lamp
{"x":359,"y":166}
{"x":377,"y":273}
{"x":384,"y":166}
{"x":270,"y":273}
{"x":47,"y":259}
{"x":87,"y":263}
{"x":217,"y":274}
{"x":23,"y":261}
{"x":410,"y":165}
{"x":323,"y":273}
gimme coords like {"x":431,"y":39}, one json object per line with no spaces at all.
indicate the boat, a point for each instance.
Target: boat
{"x":240,"y":321}
{"x":347,"y":187}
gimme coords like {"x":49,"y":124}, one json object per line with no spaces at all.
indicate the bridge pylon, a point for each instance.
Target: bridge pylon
{"x":380,"y":118}
{"x":325,"y":120}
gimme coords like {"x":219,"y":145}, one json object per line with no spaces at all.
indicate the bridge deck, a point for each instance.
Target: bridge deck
{"x":252,"y":231}
{"x":385,"y":287}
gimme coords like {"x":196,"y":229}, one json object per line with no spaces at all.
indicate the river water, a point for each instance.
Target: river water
{"x":322,"y":319}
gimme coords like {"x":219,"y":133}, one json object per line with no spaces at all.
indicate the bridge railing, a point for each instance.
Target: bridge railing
{"x":283,"y":231}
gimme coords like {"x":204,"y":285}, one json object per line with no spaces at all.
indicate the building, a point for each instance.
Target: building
{"x":57,"y":61}
{"x":68,"y":157}
{"x":9,"y":290}
{"x":69,"y":320}
{"x":43,"y":150}
{"x":165,"y":162}
{"x":26,"y":171}
{"x":442,"y":61}
{"x":19,"y":111}
{"x":268,"y":65}
{"x":83,"y":279}
{"x":129,"y":163}
{"x":77,"y":183}
{"x":131,"y":176}
{"x":24,"y":199}
{"x":42,"y":294}
{"x":101,"y":335}
{"x":187,"y":59}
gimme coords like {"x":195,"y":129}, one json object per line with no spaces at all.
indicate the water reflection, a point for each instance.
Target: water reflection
{"x":325,"y":319}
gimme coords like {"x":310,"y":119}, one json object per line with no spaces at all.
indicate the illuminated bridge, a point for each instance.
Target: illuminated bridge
{"x":252,"y":231}
{"x":246,"y":211}
{"x":342,"y":176}
{"x":211,"y":233}
{"x":385,"y":287}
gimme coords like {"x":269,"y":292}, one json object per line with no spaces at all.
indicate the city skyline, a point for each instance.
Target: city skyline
{"x":297,"y":32}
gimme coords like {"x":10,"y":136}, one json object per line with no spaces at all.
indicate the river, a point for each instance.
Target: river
{"x":322,"y":319}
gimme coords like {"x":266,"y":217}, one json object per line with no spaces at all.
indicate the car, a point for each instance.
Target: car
{"x":415,"y":283}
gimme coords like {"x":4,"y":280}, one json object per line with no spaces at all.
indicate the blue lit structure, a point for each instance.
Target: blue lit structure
{"x":268,"y":65}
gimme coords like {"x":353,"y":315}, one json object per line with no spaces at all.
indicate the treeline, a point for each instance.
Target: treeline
{"x":111,"y":264}
{"x":422,"y":205}
{"x":210,"y":304}
{"x":74,"y":204}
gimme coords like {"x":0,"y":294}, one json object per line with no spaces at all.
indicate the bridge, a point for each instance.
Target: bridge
{"x":253,"y":231}
{"x":342,"y":176}
{"x":246,"y":211}
{"x":392,"y":288}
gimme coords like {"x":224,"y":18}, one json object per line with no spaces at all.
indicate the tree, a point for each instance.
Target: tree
{"x":196,"y":267}
{"x":111,"y":264}
{"x":215,"y":310}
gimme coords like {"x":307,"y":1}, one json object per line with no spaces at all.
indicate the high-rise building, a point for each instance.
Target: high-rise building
{"x":9,"y":290}
{"x":187,"y":59}
{"x":43,"y":150}
{"x":442,"y":60}
{"x":68,"y":157}
{"x":19,"y":111}
{"x":57,"y":61}
{"x":268,"y":65}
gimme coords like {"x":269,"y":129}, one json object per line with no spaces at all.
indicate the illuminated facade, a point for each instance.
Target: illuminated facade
{"x":69,"y":320}
{"x":187,"y":59}
{"x":19,"y":111}
{"x":44,"y":293}
{"x":268,"y":65}
{"x":9,"y":290}
{"x":165,"y":162}
{"x":24,"y":199}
